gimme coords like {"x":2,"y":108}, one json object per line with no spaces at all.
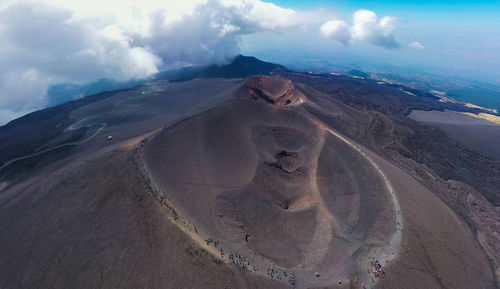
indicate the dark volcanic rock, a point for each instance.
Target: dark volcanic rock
{"x":241,"y":66}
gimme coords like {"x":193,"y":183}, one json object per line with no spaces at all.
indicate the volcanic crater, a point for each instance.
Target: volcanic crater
{"x":275,"y":90}
{"x":272,"y":185}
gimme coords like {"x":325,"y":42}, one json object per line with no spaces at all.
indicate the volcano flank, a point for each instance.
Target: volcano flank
{"x":283,"y":180}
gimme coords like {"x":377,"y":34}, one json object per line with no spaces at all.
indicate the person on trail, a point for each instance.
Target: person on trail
{"x":292,"y":278}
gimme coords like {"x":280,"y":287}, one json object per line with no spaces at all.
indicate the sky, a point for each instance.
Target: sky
{"x":451,"y":37}
{"x":49,"y":42}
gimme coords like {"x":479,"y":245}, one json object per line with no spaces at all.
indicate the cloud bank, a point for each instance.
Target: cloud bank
{"x":416,"y":45}
{"x":56,"y":41}
{"x":46,"y":42}
{"x":366,"y":26}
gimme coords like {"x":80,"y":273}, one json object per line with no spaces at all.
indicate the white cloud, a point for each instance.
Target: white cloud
{"x":366,"y":26}
{"x":51,"y":41}
{"x":20,"y":92}
{"x":337,"y":30}
{"x":44,"y":42}
{"x":416,"y":45}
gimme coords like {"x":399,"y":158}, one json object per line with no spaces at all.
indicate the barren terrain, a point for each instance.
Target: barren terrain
{"x":474,"y":133}
{"x":237,"y":183}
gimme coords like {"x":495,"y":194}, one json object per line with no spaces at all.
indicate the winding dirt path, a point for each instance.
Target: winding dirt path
{"x":392,"y":249}
{"x":102,"y":126}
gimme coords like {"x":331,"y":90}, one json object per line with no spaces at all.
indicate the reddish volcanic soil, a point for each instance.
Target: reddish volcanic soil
{"x":272,"y":89}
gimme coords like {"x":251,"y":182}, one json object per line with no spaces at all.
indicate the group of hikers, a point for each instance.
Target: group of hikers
{"x":376,"y":268}
{"x":235,"y":258}
{"x":277,"y":274}
{"x":240,"y":260}
{"x":216,"y":245}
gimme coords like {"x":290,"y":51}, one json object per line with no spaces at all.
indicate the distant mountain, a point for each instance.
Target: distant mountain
{"x":241,"y":66}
